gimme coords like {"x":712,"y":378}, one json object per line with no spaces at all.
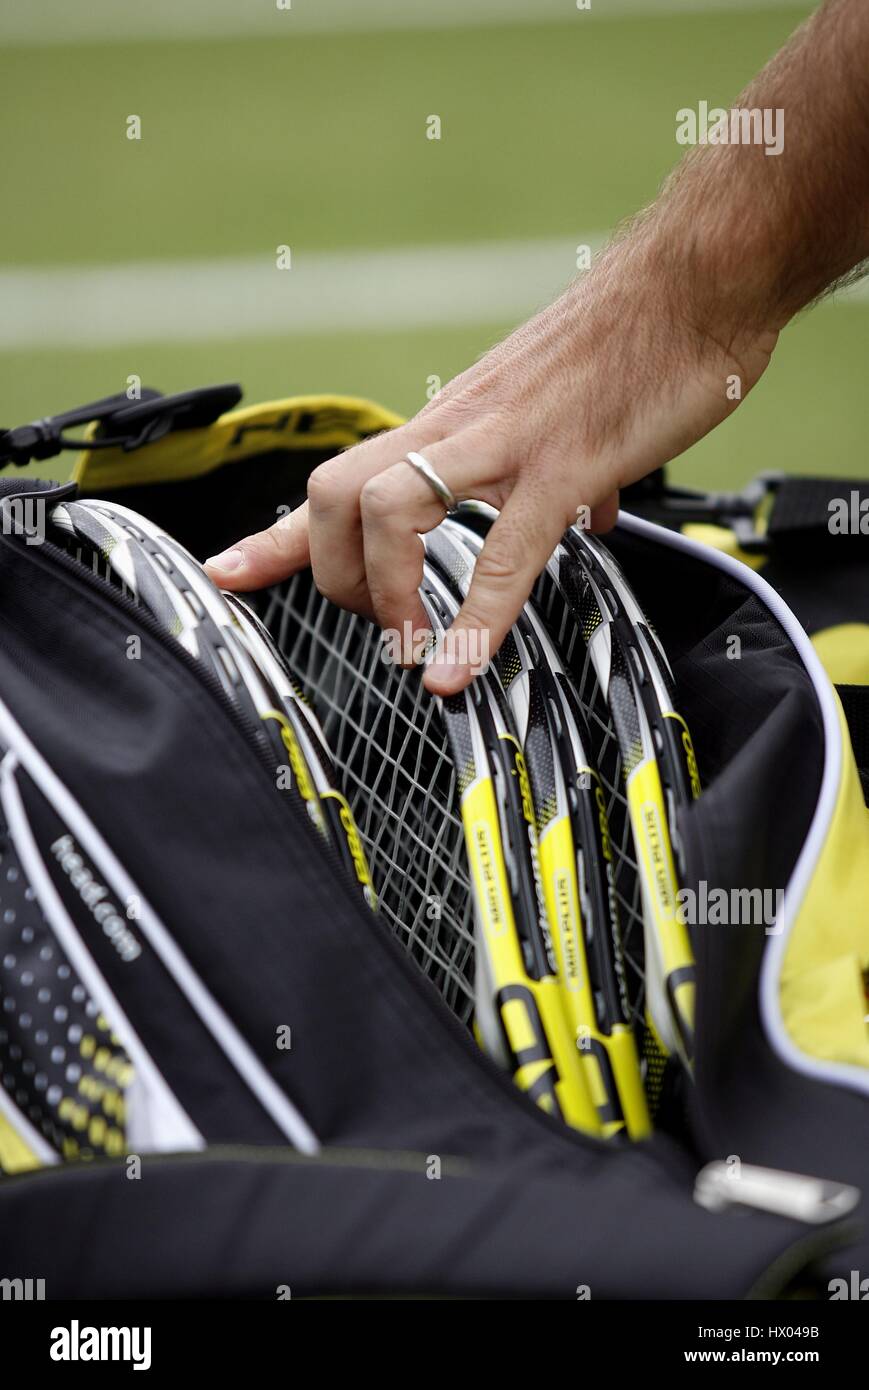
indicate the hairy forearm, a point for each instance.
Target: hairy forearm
{"x":676,"y":320}
{"x":752,"y":238}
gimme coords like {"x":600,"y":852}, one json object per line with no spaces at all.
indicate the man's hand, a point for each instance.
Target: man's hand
{"x":637,"y":361}
{"x":598,"y":390}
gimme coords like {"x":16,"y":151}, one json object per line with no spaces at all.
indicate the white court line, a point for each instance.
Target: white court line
{"x":51,"y":22}
{"x":327,"y":292}
{"x":246,"y":297}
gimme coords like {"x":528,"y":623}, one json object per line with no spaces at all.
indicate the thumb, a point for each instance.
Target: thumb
{"x":605,"y":515}
{"x":516,"y":549}
{"x":266,"y":557}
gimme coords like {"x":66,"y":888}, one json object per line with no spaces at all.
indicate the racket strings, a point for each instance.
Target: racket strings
{"x":390,"y":749}
{"x":606,"y":753}
{"x":94,"y":561}
{"x":394,"y":765}
{"x":391,"y":753}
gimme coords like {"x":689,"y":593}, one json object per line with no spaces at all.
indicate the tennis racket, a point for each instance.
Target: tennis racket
{"x":517,"y":989}
{"x":624,"y":662}
{"x":223,"y":633}
{"x":574,"y":849}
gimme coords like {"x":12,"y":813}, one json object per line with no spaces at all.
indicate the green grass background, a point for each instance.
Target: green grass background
{"x":318,"y":141}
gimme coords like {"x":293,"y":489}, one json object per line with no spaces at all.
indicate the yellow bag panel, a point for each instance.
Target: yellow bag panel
{"x":299,"y":423}
{"x":722,"y":538}
{"x":822,"y":996}
{"x":844,"y":652}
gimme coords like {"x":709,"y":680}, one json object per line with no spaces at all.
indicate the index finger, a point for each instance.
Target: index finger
{"x":516,"y":549}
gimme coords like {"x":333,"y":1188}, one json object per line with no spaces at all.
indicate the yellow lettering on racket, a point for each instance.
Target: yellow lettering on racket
{"x":496,"y":920}
{"x":525,"y":788}
{"x":690,"y":755}
{"x":691,"y":760}
{"x":657,"y":857}
{"x":603,"y":822}
{"x":645,"y":798}
{"x":351,"y":834}
{"x":297,"y":759}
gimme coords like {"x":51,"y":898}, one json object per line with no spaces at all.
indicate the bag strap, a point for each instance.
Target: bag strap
{"x":819,"y":510}
{"x":772,"y":514}
{"x":117,"y":422}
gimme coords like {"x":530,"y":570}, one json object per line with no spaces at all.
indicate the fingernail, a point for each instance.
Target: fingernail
{"x":444,"y":675}
{"x":228,"y":560}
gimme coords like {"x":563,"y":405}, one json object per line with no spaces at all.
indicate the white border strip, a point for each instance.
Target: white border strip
{"x":164,"y":1124}
{"x":273,"y":1100}
{"x":839,"y":1073}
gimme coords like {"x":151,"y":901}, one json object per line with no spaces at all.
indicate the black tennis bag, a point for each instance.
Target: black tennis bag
{"x":287,"y":1103}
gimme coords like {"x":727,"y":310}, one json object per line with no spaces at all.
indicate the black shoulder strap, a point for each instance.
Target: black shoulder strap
{"x":775,"y":513}
{"x":825,"y":512}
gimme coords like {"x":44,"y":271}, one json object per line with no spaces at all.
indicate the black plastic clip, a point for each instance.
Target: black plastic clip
{"x":123,"y":424}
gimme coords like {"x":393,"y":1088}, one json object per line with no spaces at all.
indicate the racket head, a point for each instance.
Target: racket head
{"x":389,"y":742}
{"x":574,"y":849}
{"x":220,"y":631}
{"x":310,"y":757}
{"x":568,"y":792}
{"x":162,"y":577}
{"x":631,"y":722}
{"x":503,"y":751}
{"x":501,"y":844}
{"x":674,"y":749}
{"x":624,"y":680}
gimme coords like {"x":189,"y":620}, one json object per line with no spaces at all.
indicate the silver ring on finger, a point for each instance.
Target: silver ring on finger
{"x":442,"y":491}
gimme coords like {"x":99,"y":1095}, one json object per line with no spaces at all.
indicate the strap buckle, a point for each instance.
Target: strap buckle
{"x":746,"y":512}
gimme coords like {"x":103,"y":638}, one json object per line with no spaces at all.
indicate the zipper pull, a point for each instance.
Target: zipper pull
{"x":727,"y":1184}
